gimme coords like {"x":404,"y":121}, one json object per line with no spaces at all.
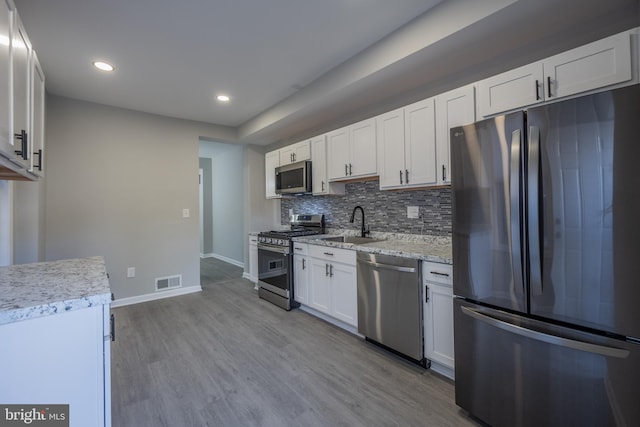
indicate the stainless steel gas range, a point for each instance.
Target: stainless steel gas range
{"x":275,"y":262}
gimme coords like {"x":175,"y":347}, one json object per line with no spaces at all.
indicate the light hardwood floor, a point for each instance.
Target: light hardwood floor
{"x":223,"y":357}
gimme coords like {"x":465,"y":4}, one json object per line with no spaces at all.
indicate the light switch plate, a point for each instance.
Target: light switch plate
{"x":413,"y":212}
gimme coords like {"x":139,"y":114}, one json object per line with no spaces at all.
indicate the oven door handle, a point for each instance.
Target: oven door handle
{"x":276,"y":249}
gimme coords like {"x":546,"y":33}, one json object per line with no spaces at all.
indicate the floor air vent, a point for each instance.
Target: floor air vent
{"x":164,"y":283}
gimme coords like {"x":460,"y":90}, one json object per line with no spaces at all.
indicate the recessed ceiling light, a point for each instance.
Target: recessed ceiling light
{"x":223,"y":98}
{"x":103,"y":66}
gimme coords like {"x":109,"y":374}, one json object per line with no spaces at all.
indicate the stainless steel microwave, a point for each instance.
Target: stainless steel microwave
{"x":294,"y":178}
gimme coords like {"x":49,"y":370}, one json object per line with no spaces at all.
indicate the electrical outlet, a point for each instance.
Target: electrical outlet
{"x":413,"y":212}
{"x":131,"y":272}
{"x":186,"y":213}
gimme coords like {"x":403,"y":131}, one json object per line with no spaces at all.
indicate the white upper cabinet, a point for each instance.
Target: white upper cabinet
{"x":351,"y":151}
{"x":321,"y":185}
{"x":22,"y":95}
{"x":596,"y":65}
{"x":363,"y":156}
{"x":420,"y":143}
{"x":338,"y":153}
{"x":454,"y":108}
{"x":6,"y":139}
{"x":513,"y":89}
{"x":599,"y":64}
{"x":407,"y":146}
{"x":37,"y":117}
{"x":20,"y":54}
{"x":271,"y":162}
{"x":390,"y":129}
{"x":295,"y":153}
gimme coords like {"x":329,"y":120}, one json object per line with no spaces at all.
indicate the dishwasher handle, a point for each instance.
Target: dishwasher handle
{"x":388,"y":266}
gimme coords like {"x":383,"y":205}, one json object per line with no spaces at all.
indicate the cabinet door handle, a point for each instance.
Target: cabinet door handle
{"x":346,"y":170}
{"x":330,"y":270}
{"x":303,"y":264}
{"x":426,"y":293}
{"x":326,"y":269}
{"x":444,"y":173}
{"x":406,"y":175}
{"x":439,"y":274}
{"x":22,"y":136}
{"x":400,"y":177}
{"x":537,"y":90}
{"x":322,"y":185}
{"x":39,"y":154}
{"x":549,"y":86}
{"x":350,"y":173}
{"x":112,"y":327}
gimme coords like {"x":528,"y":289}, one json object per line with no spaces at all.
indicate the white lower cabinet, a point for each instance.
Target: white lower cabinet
{"x":300,"y":273}
{"x":60,"y":359}
{"x":438,"y":317}
{"x":253,"y":258}
{"x":331,"y":282}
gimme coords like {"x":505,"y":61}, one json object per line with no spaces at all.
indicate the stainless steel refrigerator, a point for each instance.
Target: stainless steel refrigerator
{"x":546,"y":261}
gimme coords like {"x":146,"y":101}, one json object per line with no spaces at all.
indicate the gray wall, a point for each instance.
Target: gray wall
{"x":227,"y":188}
{"x":28,"y":221}
{"x":385,"y":211}
{"x":117,"y":182}
{"x":207,"y":208}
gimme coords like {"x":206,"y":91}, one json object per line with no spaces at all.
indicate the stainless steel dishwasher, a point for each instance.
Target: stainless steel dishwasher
{"x":390,"y":303}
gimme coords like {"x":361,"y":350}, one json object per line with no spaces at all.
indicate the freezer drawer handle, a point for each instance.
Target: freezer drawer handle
{"x":550,"y":339}
{"x":389,"y":266}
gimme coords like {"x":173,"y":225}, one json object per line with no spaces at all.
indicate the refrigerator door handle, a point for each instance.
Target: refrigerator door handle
{"x":544,"y":337}
{"x":516,"y":254}
{"x":533,"y":214}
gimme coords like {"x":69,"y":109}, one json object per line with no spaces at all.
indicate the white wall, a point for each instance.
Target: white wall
{"x":117,"y":182}
{"x":227,"y":185}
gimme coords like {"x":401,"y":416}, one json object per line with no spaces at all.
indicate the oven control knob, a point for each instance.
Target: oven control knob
{"x":281,"y":242}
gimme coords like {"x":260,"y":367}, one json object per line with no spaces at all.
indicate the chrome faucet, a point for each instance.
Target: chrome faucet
{"x":363,"y":231}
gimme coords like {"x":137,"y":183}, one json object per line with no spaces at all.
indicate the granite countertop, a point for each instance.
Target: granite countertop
{"x":41,"y":289}
{"x":425,"y":248}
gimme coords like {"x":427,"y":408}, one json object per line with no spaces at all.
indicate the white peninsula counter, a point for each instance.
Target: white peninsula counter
{"x":55,"y":334}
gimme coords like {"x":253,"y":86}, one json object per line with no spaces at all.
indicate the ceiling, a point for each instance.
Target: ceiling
{"x":173,"y":57}
{"x":291,"y":67}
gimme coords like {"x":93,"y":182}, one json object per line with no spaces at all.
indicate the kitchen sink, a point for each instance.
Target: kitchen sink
{"x":356,"y":240}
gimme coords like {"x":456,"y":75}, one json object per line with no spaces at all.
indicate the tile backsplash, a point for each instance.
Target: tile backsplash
{"x":385,"y":211}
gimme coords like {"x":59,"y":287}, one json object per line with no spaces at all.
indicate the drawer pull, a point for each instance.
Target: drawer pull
{"x":328,"y":253}
{"x":439,"y":274}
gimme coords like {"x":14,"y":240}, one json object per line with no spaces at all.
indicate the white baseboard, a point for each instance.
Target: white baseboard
{"x":443,"y":370}
{"x":223,"y":258}
{"x":249,"y":277}
{"x":329,"y":319}
{"x":120,"y":302}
